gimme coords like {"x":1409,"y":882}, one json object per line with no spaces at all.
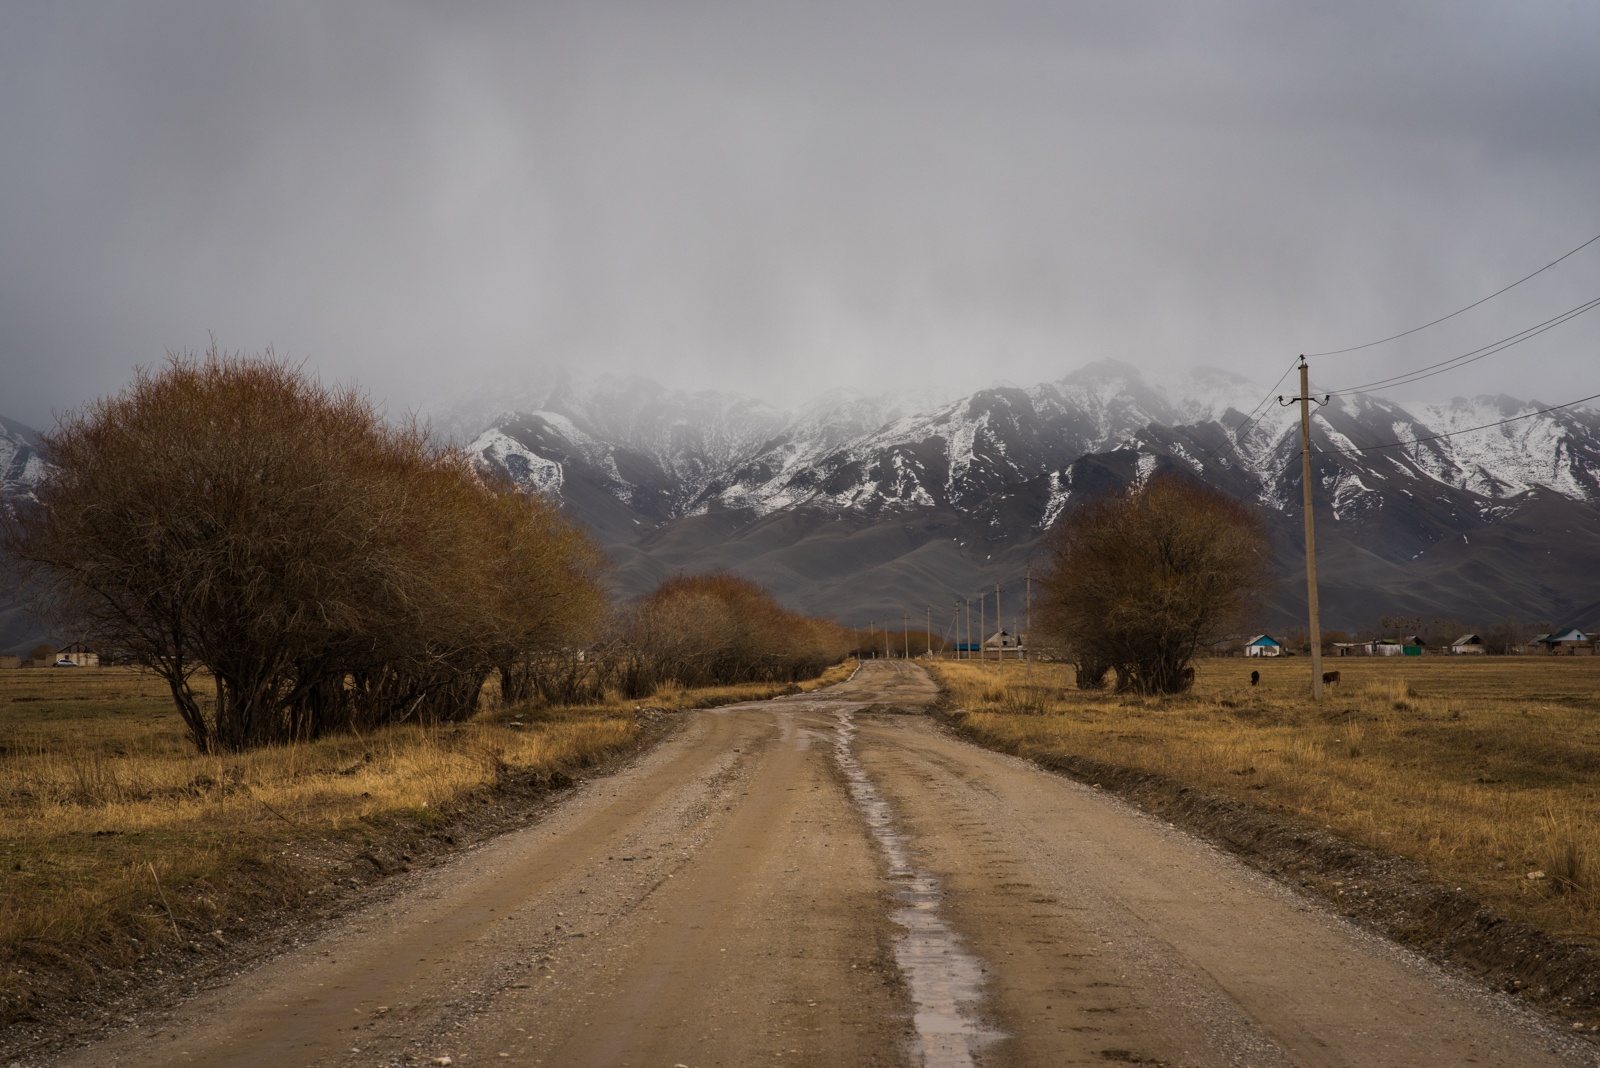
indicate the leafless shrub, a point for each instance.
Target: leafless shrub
{"x":1138,"y":581}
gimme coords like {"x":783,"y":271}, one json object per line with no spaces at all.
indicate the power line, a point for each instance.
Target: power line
{"x":1260,"y":409}
{"x":1263,"y":407}
{"x":1474,"y":356}
{"x":1467,"y":430}
{"x":1458,"y":311}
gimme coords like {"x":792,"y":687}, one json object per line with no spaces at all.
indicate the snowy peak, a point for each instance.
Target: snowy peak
{"x":1557,"y":450}
{"x":960,"y":452}
{"x":21,"y":465}
{"x":669,"y":454}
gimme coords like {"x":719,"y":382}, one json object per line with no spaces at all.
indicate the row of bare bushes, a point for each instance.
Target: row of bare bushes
{"x":692,"y":631}
{"x":290,"y":563}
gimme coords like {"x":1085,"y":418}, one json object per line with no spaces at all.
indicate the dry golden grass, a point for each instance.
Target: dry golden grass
{"x":117,"y":838}
{"x":1484,"y":769}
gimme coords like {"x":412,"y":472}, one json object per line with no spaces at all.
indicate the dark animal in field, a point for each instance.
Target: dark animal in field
{"x":1330,"y":678}
{"x":1255,"y":677}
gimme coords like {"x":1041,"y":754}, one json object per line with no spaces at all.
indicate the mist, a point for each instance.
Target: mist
{"x":779,"y":200}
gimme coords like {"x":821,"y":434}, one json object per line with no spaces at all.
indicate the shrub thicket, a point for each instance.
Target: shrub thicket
{"x":693,"y":630}
{"x":289,"y":563}
{"x":713,"y":630}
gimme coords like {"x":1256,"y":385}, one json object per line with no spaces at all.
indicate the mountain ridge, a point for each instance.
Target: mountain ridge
{"x":861,"y":506}
{"x":993,"y":470}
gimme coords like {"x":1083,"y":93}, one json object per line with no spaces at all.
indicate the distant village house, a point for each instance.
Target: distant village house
{"x":1467,"y":645}
{"x":1263,"y":645}
{"x":1003,"y":643}
{"x":78,"y":655}
{"x":1568,"y":640}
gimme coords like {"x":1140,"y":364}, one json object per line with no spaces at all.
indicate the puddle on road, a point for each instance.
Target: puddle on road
{"x":946,"y":982}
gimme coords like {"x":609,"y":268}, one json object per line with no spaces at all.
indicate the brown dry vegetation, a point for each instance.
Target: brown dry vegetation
{"x":713,"y":630}
{"x":119,"y":841}
{"x":1485,"y":770}
{"x":229,"y":519}
{"x":1138,"y":582}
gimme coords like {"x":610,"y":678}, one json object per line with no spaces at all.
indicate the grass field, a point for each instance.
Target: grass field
{"x":1487,"y":770}
{"x":118,"y":841}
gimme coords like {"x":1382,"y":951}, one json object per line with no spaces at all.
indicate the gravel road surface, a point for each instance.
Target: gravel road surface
{"x":829,"y":879}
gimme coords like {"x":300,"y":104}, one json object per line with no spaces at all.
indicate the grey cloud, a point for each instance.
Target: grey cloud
{"x":778,"y":198}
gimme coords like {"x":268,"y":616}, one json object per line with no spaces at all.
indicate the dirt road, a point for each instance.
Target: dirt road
{"x":821,"y":881}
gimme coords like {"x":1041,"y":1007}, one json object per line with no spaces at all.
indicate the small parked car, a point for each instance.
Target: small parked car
{"x":65,"y":663}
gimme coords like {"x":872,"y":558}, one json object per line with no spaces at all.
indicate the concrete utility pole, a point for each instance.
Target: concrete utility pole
{"x":1305,"y":400}
{"x":1027,"y":634}
{"x":999,"y":629}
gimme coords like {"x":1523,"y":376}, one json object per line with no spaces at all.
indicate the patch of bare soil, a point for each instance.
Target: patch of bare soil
{"x":1390,"y":895}
{"x":273,"y":905}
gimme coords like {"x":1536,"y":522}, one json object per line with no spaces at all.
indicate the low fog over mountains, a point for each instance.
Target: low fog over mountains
{"x":866,"y":507}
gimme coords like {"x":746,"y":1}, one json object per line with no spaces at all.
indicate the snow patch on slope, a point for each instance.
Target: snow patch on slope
{"x":1514,"y":458}
{"x":527,"y":469}
{"x":21,"y":466}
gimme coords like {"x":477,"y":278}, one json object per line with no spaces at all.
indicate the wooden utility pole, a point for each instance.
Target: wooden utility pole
{"x":968,"y":602}
{"x":905,"y":632}
{"x":872,"y":638}
{"x":928,"y":634}
{"x":1305,"y":400}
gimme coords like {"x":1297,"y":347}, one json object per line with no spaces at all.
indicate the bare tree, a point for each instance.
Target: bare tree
{"x":1138,"y":581}
{"x":240,"y":529}
{"x":1509,"y":636}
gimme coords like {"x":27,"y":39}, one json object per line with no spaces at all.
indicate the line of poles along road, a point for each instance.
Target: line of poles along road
{"x":965,"y":648}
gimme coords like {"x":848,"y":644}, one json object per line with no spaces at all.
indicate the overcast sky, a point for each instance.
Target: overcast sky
{"x":778,"y":198}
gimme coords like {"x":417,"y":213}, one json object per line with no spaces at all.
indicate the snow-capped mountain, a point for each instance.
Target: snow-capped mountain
{"x":861,"y":507}
{"x":653,"y":449}
{"x":20,"y":463}
{"x":870,"y":453}
{"x":853,"y":500}
{"x":21,"y":467}
{"x":958,"y":453}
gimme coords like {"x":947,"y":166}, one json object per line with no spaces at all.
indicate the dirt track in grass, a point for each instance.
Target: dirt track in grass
{"x":824,"y":880}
